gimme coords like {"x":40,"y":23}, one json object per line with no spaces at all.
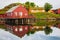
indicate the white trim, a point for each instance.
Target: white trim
{"x":12,"y":9}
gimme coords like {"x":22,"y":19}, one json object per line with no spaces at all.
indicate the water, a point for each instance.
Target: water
{"x":42,"y":30}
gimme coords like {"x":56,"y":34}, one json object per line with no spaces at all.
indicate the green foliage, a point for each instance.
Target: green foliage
{"x":2,"y":26}
{"x":29,"y":5}
{"x":48,"y":30}
{"x":32,"y":5}
{"x":42,"y":18}
{"x":47,"y":7}
{"x":30,"y":31}
{"x":45,"y":15}
{"x":44,"y":22}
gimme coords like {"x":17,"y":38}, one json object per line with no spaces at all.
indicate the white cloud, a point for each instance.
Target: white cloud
{"x":55,"y":3}
{"x":56,"y":32}
{"x":5,"y":35}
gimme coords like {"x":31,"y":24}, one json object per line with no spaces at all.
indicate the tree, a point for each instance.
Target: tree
{"x":47,"y":30}
{"x":47,"y":7}
{"x":32,"y":4}
{"x":29,"y":5}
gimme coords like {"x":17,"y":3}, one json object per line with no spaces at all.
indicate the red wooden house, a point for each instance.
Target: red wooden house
{"x":58,"y":11}
{"x":18,"y":21}
{"x":17,"y":12}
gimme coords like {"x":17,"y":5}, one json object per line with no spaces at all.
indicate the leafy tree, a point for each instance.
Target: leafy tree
{"x":47,"y":7}
{"x":30,"y":31}
{"x":47,"y":30}
{"x":29,"y":5}
{"x":32,"y":4}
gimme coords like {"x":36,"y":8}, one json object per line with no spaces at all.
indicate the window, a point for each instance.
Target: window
{"x":16,"y":13}
{"x":20,"y":13}
{"x":25,"y":14}
{"x":25,"y":28}
{"x":16,"y":29}
{"x":8,"y":14}
{"x":20,"y":29}
{"x":11,"y":13}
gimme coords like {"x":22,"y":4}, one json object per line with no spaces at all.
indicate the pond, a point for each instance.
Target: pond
{"x":41,"y":30}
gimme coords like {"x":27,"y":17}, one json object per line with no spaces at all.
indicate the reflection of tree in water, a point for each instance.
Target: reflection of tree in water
{"x":47,"y":30}
{"x":30,"y":31}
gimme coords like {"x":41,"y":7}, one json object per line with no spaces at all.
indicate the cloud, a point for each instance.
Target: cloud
{"x":5,"y":35}
{"x":55,"y":3}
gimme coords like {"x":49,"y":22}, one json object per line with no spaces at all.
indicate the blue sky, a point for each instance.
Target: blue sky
{"x":55,"y":3}
{"x":5,"y":35}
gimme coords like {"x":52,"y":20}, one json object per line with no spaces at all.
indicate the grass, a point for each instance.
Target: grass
{"x":43,"y":15}
{"x":2,"y":26}
{"x":45,"y":22}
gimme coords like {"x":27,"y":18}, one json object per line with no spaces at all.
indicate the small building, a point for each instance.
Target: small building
{"x":56,"y":11}
{"x":59,"y":11}
{"x":18,"y":20}
{"x":36,"y":9}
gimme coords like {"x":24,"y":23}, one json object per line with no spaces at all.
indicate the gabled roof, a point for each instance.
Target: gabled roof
{"x":12,"y":9}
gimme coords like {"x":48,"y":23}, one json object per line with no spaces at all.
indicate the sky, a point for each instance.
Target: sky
{"x":55,"y":35}
{"x":55,"y":3}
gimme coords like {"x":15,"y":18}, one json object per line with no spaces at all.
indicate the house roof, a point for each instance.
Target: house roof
{"x":11,"y":10}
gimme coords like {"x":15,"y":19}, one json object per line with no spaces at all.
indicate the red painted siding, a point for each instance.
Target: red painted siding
{"x":58,"y":11}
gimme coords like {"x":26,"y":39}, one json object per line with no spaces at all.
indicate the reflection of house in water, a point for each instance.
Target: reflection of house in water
{"x":57,"y":25}
{"x":18,"y":21}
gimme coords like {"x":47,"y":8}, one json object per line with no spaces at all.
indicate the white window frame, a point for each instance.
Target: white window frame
{"x":20,"y":29}
{"x":20,"y":13}
{"x":16,"y":29}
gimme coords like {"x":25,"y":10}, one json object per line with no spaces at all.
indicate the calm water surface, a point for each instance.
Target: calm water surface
{"x":42,"y":30}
